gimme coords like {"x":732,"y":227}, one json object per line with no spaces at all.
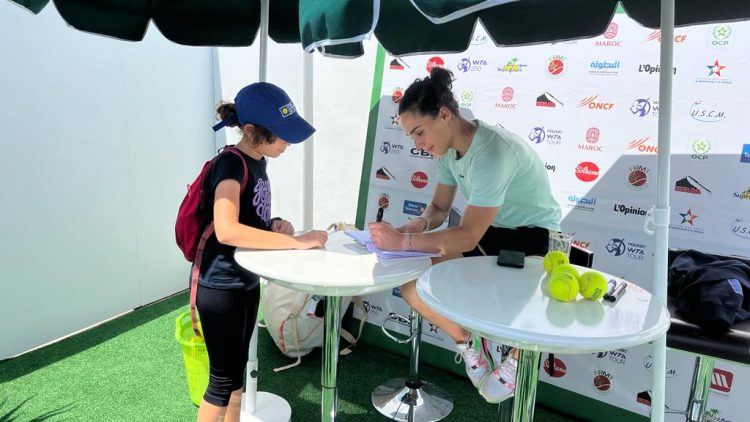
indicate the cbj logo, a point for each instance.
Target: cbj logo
{"x":418,"y":153}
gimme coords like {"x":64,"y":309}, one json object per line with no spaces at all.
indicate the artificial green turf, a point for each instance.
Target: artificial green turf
{"x":131,"y":369}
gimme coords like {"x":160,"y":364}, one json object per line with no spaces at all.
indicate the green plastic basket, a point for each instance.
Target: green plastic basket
{"x":195,"y":356}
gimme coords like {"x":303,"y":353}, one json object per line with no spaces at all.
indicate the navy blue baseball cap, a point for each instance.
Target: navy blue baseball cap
{"x":265,"y":104}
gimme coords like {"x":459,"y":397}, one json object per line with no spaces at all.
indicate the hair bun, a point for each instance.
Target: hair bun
{"x":442,"y":76}
{"x":224,"y":110}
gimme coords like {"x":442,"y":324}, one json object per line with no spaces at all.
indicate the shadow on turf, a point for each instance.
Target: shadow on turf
{"x":19,"y":366}
{"x":12,"y":415}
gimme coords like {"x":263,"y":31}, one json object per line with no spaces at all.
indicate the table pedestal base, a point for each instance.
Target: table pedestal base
{"x":426,"y":403}
{"x":268,"y":408}
{"x":329,"y":376}
{"x":524,"y":400}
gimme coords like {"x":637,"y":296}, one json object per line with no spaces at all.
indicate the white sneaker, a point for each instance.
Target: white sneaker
{"x":476,"y":367}
{"x":500,"y":384}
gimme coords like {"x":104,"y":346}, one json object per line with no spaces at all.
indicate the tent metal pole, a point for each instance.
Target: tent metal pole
{"x":308,"y":147}
{"x":661,"y":213}
{"x":263,"y":65}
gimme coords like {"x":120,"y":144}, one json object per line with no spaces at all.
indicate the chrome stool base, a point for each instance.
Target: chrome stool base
{"x":396,"y":400}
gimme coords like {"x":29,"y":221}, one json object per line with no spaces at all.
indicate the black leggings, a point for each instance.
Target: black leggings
{"x":228,"y":319}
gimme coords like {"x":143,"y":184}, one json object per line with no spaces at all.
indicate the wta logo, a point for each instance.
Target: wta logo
{"x":591,"y":103}
{"x":587,"y":171}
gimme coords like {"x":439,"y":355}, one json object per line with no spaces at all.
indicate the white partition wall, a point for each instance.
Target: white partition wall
{"x":98,"y":138}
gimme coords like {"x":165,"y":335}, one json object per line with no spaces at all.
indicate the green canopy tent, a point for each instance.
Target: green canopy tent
{"x":401,"y":26}
{"x":338,"y":27}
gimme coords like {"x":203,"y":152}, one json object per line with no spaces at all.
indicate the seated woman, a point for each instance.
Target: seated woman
{"x":509,"y":206}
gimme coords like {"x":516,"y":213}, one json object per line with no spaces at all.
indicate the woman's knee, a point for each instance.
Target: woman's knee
{"x":222,"y":386}
{"x":409,"y":291}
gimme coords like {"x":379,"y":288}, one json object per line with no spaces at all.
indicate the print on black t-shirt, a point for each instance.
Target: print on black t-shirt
{"x":218,"y":269}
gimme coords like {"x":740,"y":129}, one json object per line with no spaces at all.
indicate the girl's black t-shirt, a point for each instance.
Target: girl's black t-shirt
{"x":218,"y":267}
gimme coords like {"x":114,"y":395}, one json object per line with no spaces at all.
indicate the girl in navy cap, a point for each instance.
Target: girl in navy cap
{"x":227,"y":294}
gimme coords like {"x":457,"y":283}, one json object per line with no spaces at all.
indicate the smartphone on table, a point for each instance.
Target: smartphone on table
{"x":513,"y":259}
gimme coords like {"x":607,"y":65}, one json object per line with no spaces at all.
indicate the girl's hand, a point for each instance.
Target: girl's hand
{"x":312,"y":239}
{"x":384,"y":236}
{"x":282,"y":226}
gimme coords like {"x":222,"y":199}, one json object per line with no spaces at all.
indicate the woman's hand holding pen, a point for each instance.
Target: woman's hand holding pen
{"x":312,"y":239}
{"x":384,"y":236}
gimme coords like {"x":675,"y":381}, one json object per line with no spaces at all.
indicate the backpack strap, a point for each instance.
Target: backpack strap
{"x":195,"y":271}
{"x":194,"y":277}
{"x":347,"y":335}
{"x":299,"y":302}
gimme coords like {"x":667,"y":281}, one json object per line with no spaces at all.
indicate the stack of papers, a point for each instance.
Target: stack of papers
{"x":363,"y":238}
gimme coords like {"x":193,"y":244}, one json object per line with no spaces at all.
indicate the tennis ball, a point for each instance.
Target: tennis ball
{"x":553,"y":259}
{"x":565,"y":268}
{"x":196,"y":339}
{"x":563,"y":287}
{"x":593,"y":285}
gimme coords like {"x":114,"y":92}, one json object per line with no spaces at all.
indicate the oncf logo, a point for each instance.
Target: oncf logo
{"x":641,"y":145}
{"x":591,"y":103}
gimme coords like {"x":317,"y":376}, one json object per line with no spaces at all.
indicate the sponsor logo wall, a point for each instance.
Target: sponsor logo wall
{"x":590,"y":110}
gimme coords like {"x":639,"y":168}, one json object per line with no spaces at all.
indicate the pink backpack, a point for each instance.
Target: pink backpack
{"x":188,"y":228}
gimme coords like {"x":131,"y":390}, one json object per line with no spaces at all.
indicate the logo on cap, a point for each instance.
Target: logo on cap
{"x":287,"y":110}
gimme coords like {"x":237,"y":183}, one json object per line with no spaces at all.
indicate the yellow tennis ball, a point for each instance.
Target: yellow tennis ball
{"x":593,"y":285}
{"x":565,"y":268}
{"x":553,"y":259}
{"x":563,"y":287}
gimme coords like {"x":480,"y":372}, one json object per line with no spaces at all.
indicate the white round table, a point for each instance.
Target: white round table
{"x":342,"y":268}
{"x":512,"y":306}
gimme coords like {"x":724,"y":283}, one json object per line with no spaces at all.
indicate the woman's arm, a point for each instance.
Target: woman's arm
{"x":229,"y":231}
{"x":474,"y":223}
{"x":435,"y":213}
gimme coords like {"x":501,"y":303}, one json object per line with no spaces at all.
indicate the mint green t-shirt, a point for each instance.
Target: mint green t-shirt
{"x":501,"y":170}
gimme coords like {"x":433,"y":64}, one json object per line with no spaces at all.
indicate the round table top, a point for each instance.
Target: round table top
{"x":342,"y":268}
{"x":512,"y":306}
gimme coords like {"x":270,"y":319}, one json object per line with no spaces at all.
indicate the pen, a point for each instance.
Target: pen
{"x":617,"y":294}
{"x":379,"y":217}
